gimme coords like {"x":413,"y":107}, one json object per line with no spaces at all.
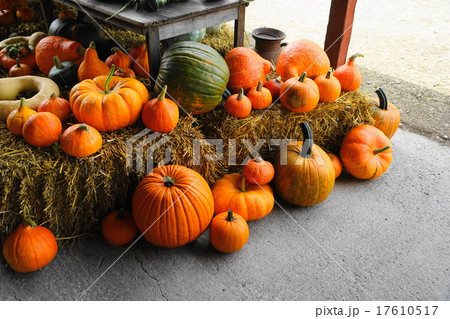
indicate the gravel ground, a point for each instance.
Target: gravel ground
{"x":405,"y":44}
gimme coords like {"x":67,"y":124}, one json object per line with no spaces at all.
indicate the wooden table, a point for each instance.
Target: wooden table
{"x":171,"y":20}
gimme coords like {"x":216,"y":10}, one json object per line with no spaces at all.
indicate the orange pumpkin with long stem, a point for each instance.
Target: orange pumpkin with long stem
{"x":17,"y":118}
{"x":81,"y":140}
{"x":228,"y":232}
{"x":386,"y":115}
{"x":42,"y":129}
{"x":366,"y":152}
{"x":238,"y":105}
{"x":234,"y":192}
{"x":56,"y":105}
{"x":92,"y":66}
{"x":160,"y":114}
{"x":29,"y":247}
{"x":349,"y":75}
{"x":329,"y":87}
{"x":299,"y":95}
{"x":108,"y":103}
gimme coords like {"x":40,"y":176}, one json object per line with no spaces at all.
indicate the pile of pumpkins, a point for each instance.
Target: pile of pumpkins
{"x":10,"y":10}
{"x":173,"y":205}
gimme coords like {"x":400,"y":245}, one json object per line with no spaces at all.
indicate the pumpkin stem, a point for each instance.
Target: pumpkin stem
{"x":383,"y":99}
{"x":260,"y":86}
{"x":81,"y":51}
{"x":243,"y":188}
{"x":28,"y":222}
{"x":168,"y":181}
{"x":120,"y":10}
{"x":302,"y":77}
{"x":121,"y":213}
{"x":23,"y":102}
{"x":258,"y":159}
{"x":92,"y":45}
{"x":330,"y":71}
{"x":307,"y":140}
{"x":230,"y":216}
{"x":353,"y":57}
{"x":379,"y":150}
{"x":240,"y":95}
{"x":18,"y":63}
{"x":162,"y":95}
{"x":57,"y":62}
{"x":278,"y":79}
{"x":114,"y":49}
{"x":53,"y":96}
{"x":108,"y":79}
{"x":84,"y":127}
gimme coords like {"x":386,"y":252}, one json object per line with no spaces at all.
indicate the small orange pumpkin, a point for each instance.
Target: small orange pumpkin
{"x":349,"y":75}
{"x":160,"y":114}
{"x":81,"y":140}
{"x":228,"y":232}
{"x":92,"y":66}
{"x":260,"y":97}
{"x":20,"y":69}
{"x":299,"y":95}
{"x":234,"y":192}
{"x":67,"y":14}
{"x":238,"y":105}
{"x":118,"y":58}
{"x":17,"y":118}
{"x":386,"y":115}
{"x":118,"y":227}
{"x":56,"y":105}
{"x":366,"y":152}
{"x":258,"y":171}
{"x":42,"y":129}
{"x":25,"y":14}
{"x":29,"y":247}
{"x":329,"y":87}
{"x":274,"y":86}
{"x":125,"y":73}
{"x":137,"y":50}
{"x":337,"y":164}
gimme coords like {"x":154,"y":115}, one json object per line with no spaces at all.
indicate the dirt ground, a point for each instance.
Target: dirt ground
{"x":405,"y":43}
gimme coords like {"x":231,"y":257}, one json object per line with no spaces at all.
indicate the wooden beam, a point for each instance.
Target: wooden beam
{"x":339,"y":30}
{"x":239,"y":27}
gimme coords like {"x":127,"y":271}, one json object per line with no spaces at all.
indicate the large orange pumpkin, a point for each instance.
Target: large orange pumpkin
{"x":172,"y":206}
{"x":366,"y":152}
{"x":386,"y":115}
{"x":234,"y":192}
{"x":29,"y":247}
{"x":108,"y":103}
{"x":302,"y":56}
{"x":304,"y":174}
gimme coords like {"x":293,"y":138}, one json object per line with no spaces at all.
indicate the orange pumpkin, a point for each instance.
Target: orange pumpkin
{"x":274,"y":86}
{"x":386,"y":115}
{"x":260,"y":97}
{"x":160,"y":114}
{"x":25,"y":14}
{"x":118,"y":227}
{"x":258,"y":171}
{"x":247,"y":68}
{"x":17,"y":118}
{"x":42,"y":129}
{"x":329,"y":87}
{"x":81,"y":140}
{"x":137,"y":50}
{"x":20,"y":69}
{"x":140,"y":66}
{"x":118,"y":58}
{"x":29,"y":247}
{"x":302,"y":56}
{"x":108,"y":103}
{"x":56,"y":105}
{"x":92,"y":66}
{"x":299,"y":95}
{"x":234,"y":192}
{"x":337,"y":164}
{"x":304,"y":173}
{"x":228,"y":232}
{"x":349,"y":75}
{"x":172,"y":206}
{"x":125,"y":73}
{"x":366,"y":152}
{"x":238,"y":105}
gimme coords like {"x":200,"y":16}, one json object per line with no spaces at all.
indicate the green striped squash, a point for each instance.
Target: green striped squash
{"x":196,"y":76}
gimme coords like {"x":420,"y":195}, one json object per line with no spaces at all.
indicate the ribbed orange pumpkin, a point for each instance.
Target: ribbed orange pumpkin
{"x":260,"y":97}
{"x":366,"y":152}
{"x":304,"y":175}
{"x":258,"y":171}
{"x":228,"y":232}
{"x":299,"y":95}
{"x":238,"y":105}
{"x":29,"y":247}
{"x":108,"y":103}
{"x":42,"y":129}
{"x":329,"y":87}
{"x":172,"y":206}
{"x":337,"y":163}
{"x":349,"y":75}
{"x":92,"y":66}
{"x":302,"y":56}
{"x":247,"y":68}
{"x":160,"y":114}
{"x":119,"y":228}
{"x":386,"y":115}
{"x":234,"y":192}
{"x":81,"y":140}
{"x":119,"y":58}
{"x":17,"y":118}
{"x":56,"y":105}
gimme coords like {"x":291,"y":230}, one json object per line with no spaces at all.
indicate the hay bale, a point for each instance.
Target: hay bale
{"x":329,"y":123}
{"x":70,"y":195}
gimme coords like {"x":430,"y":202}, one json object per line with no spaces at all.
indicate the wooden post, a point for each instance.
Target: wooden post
{"x":239,"y":27}
{"x":339,"y":30}
{"x":154,"y":53}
